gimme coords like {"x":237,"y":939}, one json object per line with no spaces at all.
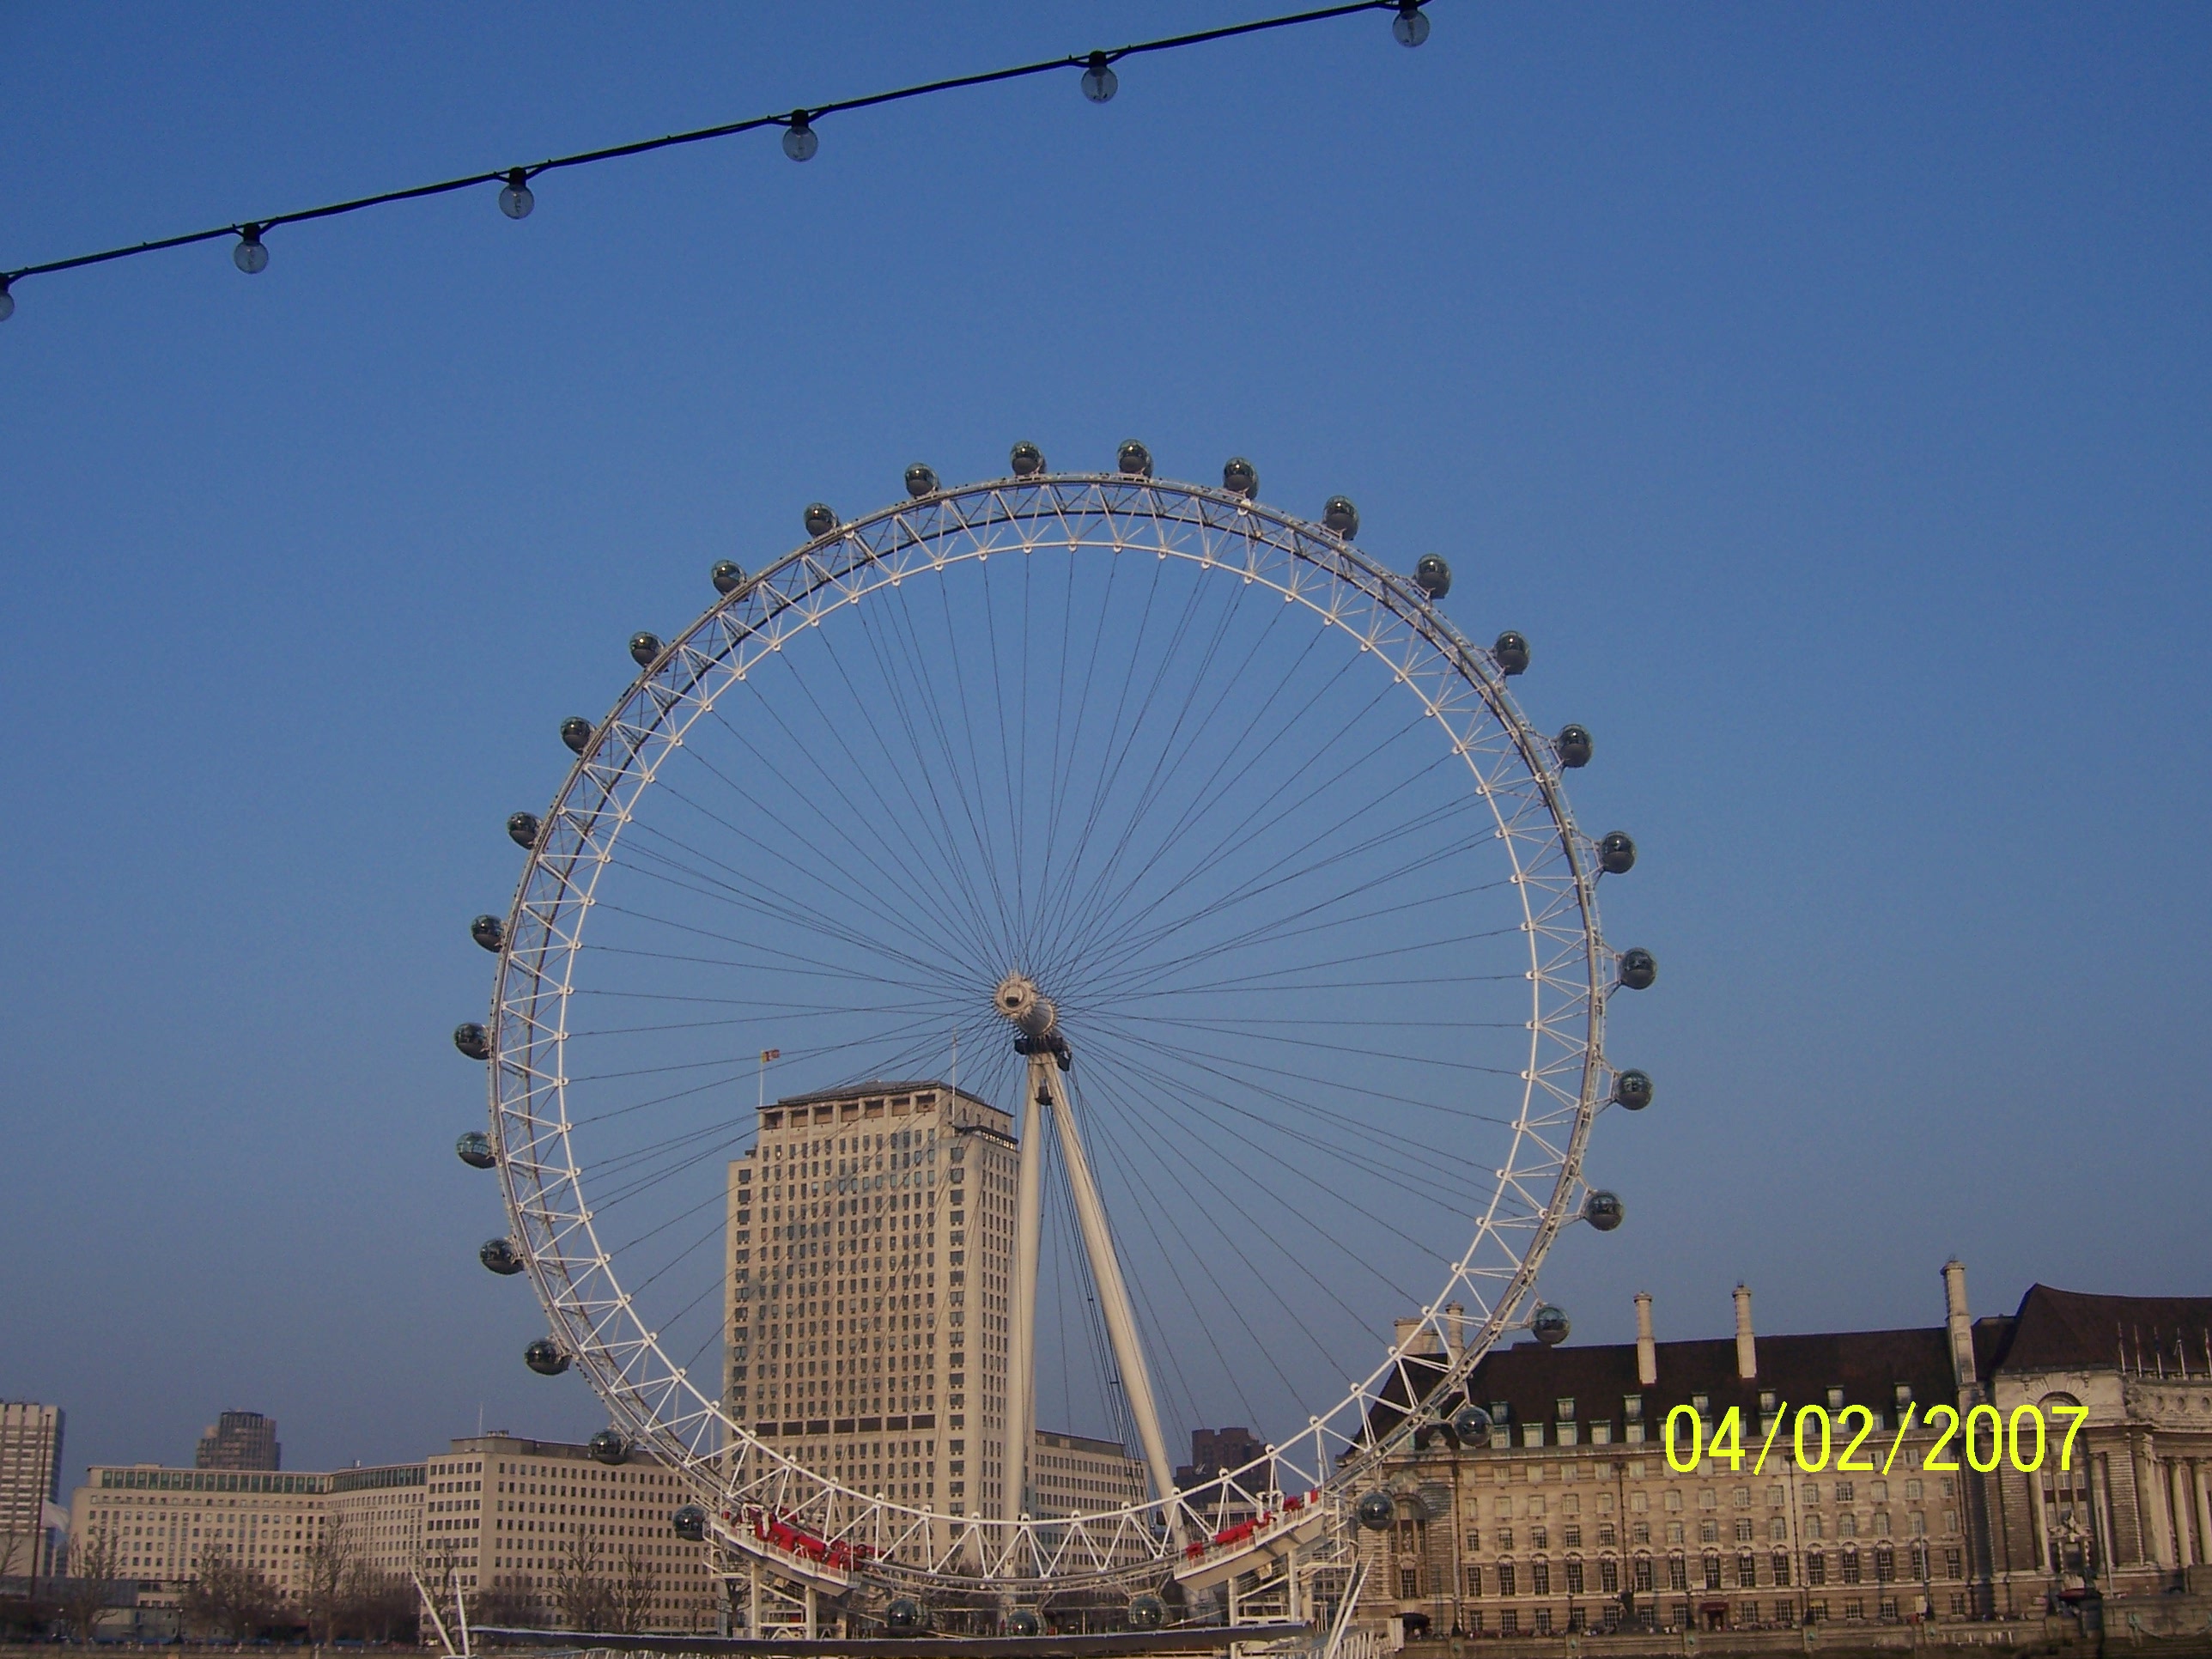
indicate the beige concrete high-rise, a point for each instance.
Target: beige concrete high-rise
{"x":30,"y":1481}
{"x":871,"y":1252}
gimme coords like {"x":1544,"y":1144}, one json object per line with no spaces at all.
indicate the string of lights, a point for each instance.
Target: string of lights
{"x":1410,"y":27}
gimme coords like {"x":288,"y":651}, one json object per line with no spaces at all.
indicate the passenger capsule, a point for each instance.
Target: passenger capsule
{"x":488,"y":931}
{"x":1240,"y":477}
{"x":920,"y":481}
{"x":522,"y":830}
{"x":820,"y":521}
{"x":607,"y":1446}
{"x":1631,"y":1091}
{"x":500,"y":1256}
{"x":903,"y":1616}
{"x":1616,"y":854}
{"x":472,"y":1040}
{"x":1550,"y":1326}
{"x":1027,"y":460}
{"x":690,"y":1524}
{"x":1340,"y":516}
{"x":727,"y":576}
{"x":576,"y":732}
{"x":1511,"y":652}
{"x":643,"y":648}
{"x":1573,"y":746}
{"x":1433,"y":575}
{"x":474,"y":1148}
{"x":1376,"y":1510}
{"x":1604,"y":1211}
{"x":1133,"y":459}
{"x":544,"y":1357}
{"x":1639,"y":968}
{"x":1022,"y":1622}
{"x":1147,"y":1612}
{"x":1472,"y":1424}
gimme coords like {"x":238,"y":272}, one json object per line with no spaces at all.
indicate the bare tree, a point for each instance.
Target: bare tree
{"x":229,"y":1597}
{"x":325,"y":1571}
{"x":586,"y":1599}
{"x":503,"y":1606}
{"x":94,"y":1565}
{"x":632,"y":1594}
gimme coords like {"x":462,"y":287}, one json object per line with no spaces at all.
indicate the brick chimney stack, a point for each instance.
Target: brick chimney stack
{"x":1746,"y":1351}
{"x":1647,"y":1350}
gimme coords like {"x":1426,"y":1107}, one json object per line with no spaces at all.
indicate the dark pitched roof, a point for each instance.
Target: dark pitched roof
{"x":2072,"y":1330}
{"x":1532,"y":1379}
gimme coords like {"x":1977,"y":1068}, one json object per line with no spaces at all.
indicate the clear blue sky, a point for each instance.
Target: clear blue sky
{"x":1823,"y":392}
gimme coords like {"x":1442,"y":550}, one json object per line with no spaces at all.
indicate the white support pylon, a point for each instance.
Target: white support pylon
{"x":1113,"y":1301}
{"x":1021,"y":1346}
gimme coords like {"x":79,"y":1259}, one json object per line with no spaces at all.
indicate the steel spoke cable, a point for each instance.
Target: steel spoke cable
{"x":836,"y":730}
{"x":1171,"y":752}
{"x":1163,"y":1083}
{"x":1009,"y":932}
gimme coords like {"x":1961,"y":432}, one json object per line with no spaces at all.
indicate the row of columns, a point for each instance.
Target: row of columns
{"x":2170,"y":1491}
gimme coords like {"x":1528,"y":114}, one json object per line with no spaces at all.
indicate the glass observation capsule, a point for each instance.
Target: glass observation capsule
{"x":544,"y":1357}
{"x":1433,"y":575}
{"x":643,"y":648}
{"x":472,"y":1040}
{"x":727,"y":576}
{"x":1511,"y":651}
{"x":576,"y":732}
{"x":1147,"y":1612}
{"x":920,"y":481}
{"x":1135,"y":459}
{"x":1472,"y":1424}
{"x":500,"y":1256}
{"x":1340,"y":515}
{"x":1604,"y":1211}
{"x":689,"y":1523}
{"x":488,"y":931}
{"x":1550,"y":1326}
{"x":1638,"y":969}
{"x":1616,"y":854}
{"x":474,"y":1148}
{"x":1632,"y":1089}
{"x":1573,"y":744}
{"x":1240,"y":477}
{"x":903,"y":1616}
{"x":820,"y":520}
{"x":1027,"y":460}
{"x":1022,"y":1622}
{"x":1376,"y":1510}
{"x":607,"y":1446}
{"x":522,"y":829}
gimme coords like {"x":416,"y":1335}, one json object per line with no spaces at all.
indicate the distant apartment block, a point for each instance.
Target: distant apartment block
{"x":240,"y":1440}
{"x":30,"y":1486}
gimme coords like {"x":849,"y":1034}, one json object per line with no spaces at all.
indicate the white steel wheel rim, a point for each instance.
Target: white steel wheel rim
{"x":650,"y":1394}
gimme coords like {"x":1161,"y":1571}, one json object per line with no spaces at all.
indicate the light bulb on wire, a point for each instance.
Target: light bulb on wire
{"x":1100,"y":83}
{"x":516,"y":200}
{"x":1410,"y":27}
{"x":249,"y":256}
{"x":7,"y":302}
{"x":799,"y":140}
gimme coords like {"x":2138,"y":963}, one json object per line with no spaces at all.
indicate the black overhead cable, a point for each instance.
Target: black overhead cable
{"x":1099,"y":82}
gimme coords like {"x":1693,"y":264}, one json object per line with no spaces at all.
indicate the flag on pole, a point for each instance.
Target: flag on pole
{"x":767,"y":1055}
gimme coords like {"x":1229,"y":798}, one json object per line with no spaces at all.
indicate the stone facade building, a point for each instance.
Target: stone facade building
{"x":240,"y":1440}
{"x":1574,"y":1516}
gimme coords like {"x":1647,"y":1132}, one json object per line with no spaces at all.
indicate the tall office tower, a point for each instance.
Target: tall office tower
{"x":240,"y":1440}
{"x":871,"y":1241}
{"x":30,"y":1480}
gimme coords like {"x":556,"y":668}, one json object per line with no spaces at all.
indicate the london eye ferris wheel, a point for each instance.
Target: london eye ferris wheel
{"x":1187,"y":994}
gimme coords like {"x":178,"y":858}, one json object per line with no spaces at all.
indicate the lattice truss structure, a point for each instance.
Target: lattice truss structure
{"x":1543,"y":1063}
